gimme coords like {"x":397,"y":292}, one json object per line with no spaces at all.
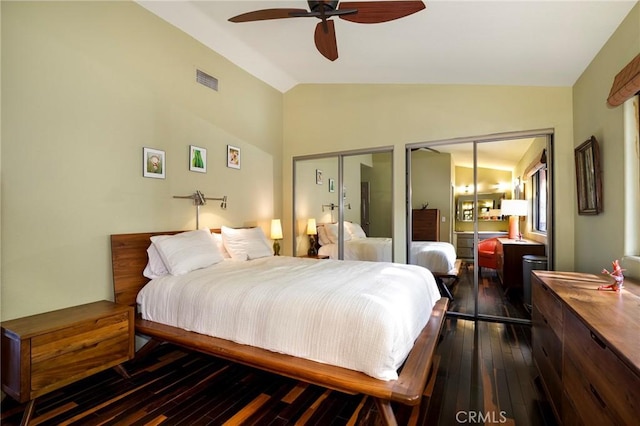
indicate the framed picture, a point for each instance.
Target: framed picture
{"x":197,"y":159}
{"x":318,"y":177}
{"x":588,"y":179}
{"x":233,"y":157}
{"x":332,"y":185}
{"x":153,"y":163}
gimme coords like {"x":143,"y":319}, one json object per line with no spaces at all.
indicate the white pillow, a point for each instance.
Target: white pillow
{"x":217,"y":238}
{"x":155,"y":266}
{"x":246,"y":243}
{"x":355,"y":230}
{"x":332,"y":233}
{"x":187,"y":251}
{"x":323,"y":238}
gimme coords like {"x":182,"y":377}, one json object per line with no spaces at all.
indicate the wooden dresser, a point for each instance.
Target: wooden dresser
{"x":586,"y":346}
{"x":510,"y":252}
{"x":425,"y":225}
{"x":44,"y":352}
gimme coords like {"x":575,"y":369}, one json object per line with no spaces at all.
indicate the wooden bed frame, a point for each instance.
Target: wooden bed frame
{"x":129,"y":258}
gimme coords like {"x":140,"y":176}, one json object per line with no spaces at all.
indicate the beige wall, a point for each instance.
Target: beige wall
{"x":431,"y":184}
{"x":599,"y":239}
{"x":85,"y":85}
{"x":359,"y":116}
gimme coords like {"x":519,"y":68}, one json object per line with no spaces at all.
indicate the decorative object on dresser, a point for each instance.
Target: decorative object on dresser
{"x":41,"y":353}
{"x":586,"y":348}
{"x":510,"y":253}
{"x":616,"y":274}
{"x":276,"y":235}
{"x":312,"y":230}
{"x":425,"y":225}
{"x":514,"y":209}
{"x":588,"y":177}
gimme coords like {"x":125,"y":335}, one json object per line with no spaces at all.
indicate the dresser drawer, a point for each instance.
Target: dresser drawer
{"x":548,"y":341}
{"x":79,"y":349}
{"x":603,"y":377}
{"x":548,"y":304}
{"x":465,"y":242}
{"x":581,"y":394}
{"x":547,"y":354}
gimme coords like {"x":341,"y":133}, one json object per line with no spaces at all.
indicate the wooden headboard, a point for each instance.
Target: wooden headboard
{"x":128,"y":260}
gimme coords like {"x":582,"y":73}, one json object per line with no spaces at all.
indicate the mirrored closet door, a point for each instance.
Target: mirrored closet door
{"x":467,"y":183}
{"x":352,"y":188}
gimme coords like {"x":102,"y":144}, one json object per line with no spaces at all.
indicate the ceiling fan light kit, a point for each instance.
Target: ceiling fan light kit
{"x":367,"y":12}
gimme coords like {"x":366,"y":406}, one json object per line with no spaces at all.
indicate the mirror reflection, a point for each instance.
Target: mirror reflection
{"x":346,"y":198}
{"x":460,"y":195}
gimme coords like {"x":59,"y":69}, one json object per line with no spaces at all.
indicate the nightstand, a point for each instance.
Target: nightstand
{"x":44,"y":352}
{"x":315,"y":256}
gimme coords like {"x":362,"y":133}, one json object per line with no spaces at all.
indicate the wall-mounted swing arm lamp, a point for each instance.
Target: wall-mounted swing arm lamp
{"x":200,"y":200}
{"x":333,"y":206}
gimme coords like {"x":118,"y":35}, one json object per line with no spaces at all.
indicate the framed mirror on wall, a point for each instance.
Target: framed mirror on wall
{"x":588,"y":177}
{"x":349,"y":203}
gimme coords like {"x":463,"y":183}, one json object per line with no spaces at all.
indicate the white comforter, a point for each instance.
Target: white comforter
{"x":363,"y":316}
{"x":373,"y":249}
{"x":436,"y":256}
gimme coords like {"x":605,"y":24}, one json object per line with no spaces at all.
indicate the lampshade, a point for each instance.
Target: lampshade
{"x":276,"y":229}
{"x":514,"y":207}
{"x":311,"y":227}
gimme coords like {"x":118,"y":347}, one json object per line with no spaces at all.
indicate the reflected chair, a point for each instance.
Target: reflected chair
{"x":487,"y":256}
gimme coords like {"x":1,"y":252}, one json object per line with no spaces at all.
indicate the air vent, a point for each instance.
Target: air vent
{"x":207,"y":80}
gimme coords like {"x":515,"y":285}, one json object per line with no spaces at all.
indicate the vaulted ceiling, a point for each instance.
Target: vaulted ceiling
{"x":508,"y":42}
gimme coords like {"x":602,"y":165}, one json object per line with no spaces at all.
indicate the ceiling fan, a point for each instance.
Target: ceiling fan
{"x":366,"y":12}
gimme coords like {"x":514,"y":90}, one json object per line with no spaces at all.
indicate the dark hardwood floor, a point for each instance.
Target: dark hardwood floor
{"x":484,"y":374}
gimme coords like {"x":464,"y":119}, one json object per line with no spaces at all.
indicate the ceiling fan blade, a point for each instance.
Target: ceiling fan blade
{"x":325,"y":38}
{"x":265,"y":14}
{"x":373,"y":12}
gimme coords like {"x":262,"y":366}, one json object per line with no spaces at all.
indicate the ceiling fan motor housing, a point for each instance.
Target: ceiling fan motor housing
{"x":315,"y":5}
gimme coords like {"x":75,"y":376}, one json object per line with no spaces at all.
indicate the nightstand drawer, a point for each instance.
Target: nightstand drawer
{"x":77,"y":337}
{"x":88,"y":345}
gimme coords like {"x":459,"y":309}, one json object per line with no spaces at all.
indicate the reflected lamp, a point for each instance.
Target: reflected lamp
{"x":311,"y":232}
{"x":276,"y":235}
{"x":514,"y":209}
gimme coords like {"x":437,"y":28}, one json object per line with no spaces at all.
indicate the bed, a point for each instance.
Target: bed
{"x":130,"y":259}
{"x":437,"y":256}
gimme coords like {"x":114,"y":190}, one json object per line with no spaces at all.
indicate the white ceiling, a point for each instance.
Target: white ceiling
{"x":508,"y":42}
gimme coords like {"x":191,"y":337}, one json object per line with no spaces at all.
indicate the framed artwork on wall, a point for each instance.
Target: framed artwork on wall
{"x":197,"y":159}
{"x":153,"y":163}
{"x":332,"y":185}
{"x":318,"y":177}
{"x":588,"y":177}
{"x":233,"y":157}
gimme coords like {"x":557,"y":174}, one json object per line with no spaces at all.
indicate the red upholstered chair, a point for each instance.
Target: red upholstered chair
{"x":487,"y":257}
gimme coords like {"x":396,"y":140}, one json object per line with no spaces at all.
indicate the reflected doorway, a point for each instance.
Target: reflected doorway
{"x":468,"y":182}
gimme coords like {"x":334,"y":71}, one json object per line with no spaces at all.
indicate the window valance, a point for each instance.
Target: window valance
{"x":626,"y":84}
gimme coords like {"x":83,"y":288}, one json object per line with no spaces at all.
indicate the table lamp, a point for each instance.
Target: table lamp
{"x":276,"y":235}
{"x":311,"y":232}
{"x":514,"y":209}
